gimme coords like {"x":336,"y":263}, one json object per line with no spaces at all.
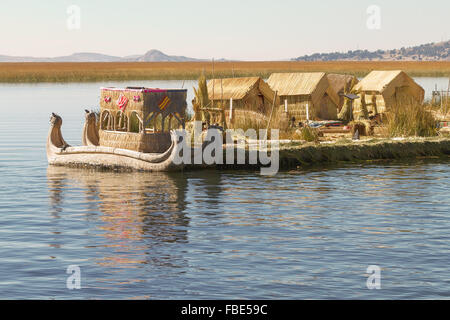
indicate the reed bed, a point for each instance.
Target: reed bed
{"x":112,"y":71}
{"x":409,"y":118}
{"x":376,"y":149}
{"x":309,"y":134}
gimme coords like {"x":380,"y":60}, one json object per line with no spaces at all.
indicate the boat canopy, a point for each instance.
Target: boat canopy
{"x":144,"y":103}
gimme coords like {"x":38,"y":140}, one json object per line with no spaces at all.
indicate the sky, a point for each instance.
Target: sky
{"x":231,"y":29}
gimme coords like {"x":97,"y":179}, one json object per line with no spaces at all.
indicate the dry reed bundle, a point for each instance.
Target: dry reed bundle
{"x":309,"y":134}
{"x":408,"y":118}
{"x":151,"y":142}
{"x":201,"y":99}
{"x":363,"y":127}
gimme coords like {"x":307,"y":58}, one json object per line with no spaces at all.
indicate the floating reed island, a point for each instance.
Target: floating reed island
{"x":293,"y":119}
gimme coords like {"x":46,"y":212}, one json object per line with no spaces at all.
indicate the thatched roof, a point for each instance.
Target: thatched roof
{"x":237,"y":88}
{"x":377,"y":80}
{"x":385,"y":82}
{"x":313,"y":84}
{"x":293,"y":84}
{"x":380,"y":80}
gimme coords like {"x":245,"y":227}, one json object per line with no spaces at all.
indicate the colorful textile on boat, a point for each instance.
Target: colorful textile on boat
{"x":164,"y":102}
{"x":122,"y":102}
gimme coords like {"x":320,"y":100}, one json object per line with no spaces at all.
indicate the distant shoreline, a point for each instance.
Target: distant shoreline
{"x":34,"y":72}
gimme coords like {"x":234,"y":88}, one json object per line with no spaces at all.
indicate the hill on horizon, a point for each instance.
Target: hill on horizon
{"x":426,"y":52}
{"x":150,"y":56}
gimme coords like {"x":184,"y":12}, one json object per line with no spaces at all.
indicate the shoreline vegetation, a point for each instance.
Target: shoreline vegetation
{"x":34,"y":72}
{"x":346,"y":150}
{"x":294,"y":155}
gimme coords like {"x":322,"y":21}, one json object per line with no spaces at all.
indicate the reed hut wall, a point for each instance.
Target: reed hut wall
{"x":337,"y":85}
{"x":251,"y":94}
{"x":301,"y":89}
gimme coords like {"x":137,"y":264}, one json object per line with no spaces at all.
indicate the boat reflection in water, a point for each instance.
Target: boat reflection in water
{"x":137,"y":217}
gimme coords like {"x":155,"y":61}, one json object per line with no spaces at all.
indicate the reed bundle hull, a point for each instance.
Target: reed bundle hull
{"x":59,"y":153}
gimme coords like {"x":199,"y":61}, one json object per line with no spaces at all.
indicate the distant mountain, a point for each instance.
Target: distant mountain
{"x":426,"y":52}
{"x":4,"y":58}
{"x":150,"y":56}
{"x":87,"y":57}
{"x":157,"y":56}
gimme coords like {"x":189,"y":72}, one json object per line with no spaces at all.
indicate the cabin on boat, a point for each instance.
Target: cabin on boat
{"x":382,"y":90}
{"x":140,"y":119}
{"x":250,"y":96}
{"x":301,"y":91}
{"x":338,"y":83}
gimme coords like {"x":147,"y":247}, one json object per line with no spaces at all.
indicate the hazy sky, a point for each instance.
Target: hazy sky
{"x":244,"y":29}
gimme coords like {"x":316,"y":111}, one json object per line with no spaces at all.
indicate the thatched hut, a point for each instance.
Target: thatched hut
{"x":382,"y":90}
{"x":250,"y":95}
{"x":301,"y":89}
{"x":338,"y":83}
{"x":139,"y":119}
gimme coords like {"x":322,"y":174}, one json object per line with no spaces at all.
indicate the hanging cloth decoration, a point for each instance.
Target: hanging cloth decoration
{"x":164,"y":103}
{"x":122,"y":102}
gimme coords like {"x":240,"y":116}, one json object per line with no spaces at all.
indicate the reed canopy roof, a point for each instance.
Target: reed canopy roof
{"x":238,"y":88}
{"x":143,"y":100}
{"x":380,"y":81}
{"x":293,"y":84}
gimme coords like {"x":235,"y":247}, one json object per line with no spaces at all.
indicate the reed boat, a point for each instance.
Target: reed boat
{"x":133,"y":131}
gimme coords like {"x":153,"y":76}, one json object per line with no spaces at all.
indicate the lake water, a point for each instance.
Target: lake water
{"x":208,"y":234}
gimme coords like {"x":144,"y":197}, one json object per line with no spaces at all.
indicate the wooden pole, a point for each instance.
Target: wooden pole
{"x":271,"y":112}
{"x":447,"y":97}
{"x":307,"y":112}
{"x":231,"y":109}
{"x":213,"y":82}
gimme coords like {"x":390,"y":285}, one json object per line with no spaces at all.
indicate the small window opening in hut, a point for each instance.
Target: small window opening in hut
{"x":121,"y":121}
{"x":106,"y":121}
{"x":174,"y":122}
{"x":155,"y":124}
{"x":135,"y":124}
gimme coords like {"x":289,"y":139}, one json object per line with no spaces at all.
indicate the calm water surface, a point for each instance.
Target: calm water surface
{"x":207,"y":234}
